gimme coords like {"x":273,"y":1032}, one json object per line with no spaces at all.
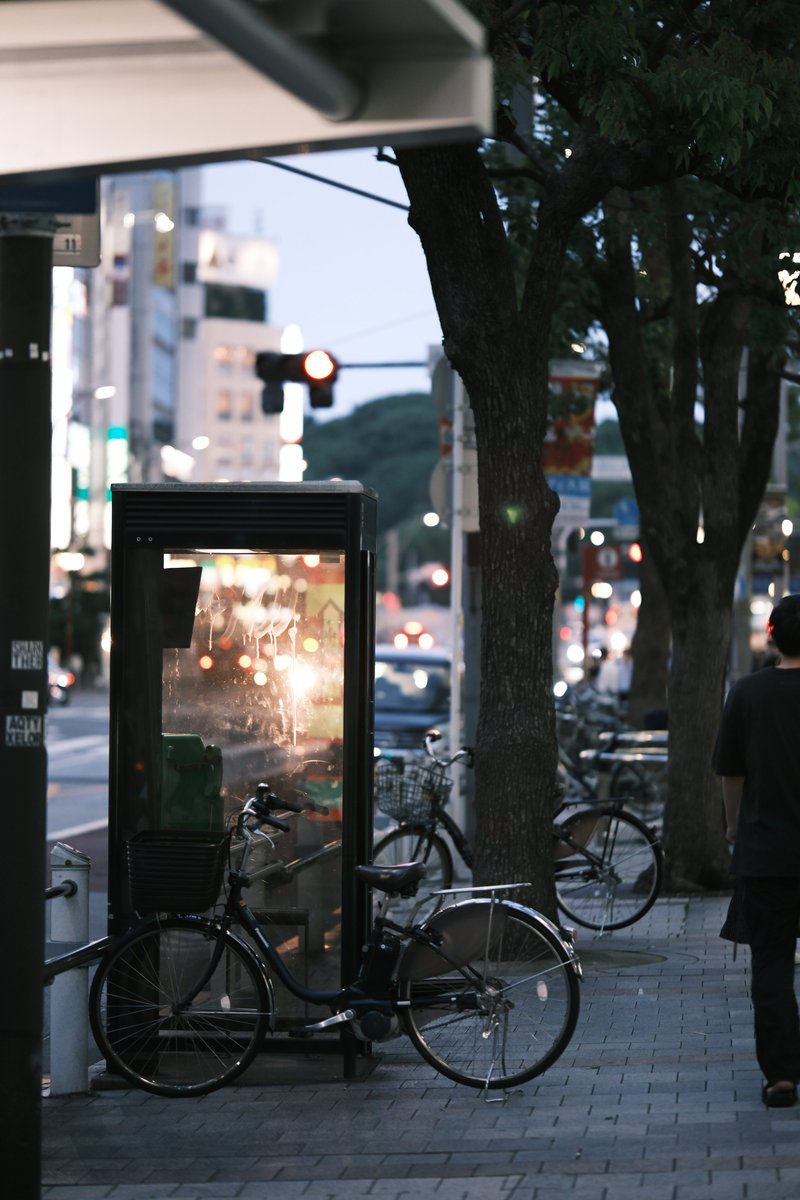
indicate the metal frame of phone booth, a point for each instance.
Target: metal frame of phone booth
{"x":168,"y":542}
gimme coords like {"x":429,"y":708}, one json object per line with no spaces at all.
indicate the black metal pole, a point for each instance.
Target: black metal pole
{"x":26,"y":257}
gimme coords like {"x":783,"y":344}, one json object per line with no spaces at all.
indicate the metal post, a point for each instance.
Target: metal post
{"x":69,"y":925}
{"x":26,"y":257}
{"x":457,"y":589}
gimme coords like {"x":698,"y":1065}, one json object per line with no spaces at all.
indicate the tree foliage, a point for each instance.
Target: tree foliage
{"x":390,"y":444}
{"x":593,"y":98}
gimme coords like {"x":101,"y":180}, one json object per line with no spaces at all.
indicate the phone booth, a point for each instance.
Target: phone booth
{"x":243,"y":630}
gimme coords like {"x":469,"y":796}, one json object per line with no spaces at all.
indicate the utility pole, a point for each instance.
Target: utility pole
{"x":26,"y":262}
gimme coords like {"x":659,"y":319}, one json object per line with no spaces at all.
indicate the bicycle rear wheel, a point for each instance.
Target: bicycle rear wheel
{"x":152,"y":1035}
{"x":615,"y":878}
{"x":495,"y":1003}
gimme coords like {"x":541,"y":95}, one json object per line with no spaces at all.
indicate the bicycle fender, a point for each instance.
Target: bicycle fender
{"x":458,"y":934}
{"x":258,"y":964}
{"x":461,"y":935}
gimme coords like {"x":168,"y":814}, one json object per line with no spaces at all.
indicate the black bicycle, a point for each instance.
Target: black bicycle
{"x":608,"y":863}
{"x":486,"y":990}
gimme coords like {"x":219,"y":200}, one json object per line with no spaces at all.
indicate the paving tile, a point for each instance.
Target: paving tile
{"x":657,"y":1097}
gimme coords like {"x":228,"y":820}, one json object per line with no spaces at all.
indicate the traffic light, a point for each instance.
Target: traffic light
{"x":315,"y":368}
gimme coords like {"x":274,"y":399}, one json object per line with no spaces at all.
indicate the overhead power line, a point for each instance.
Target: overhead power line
{"x":344,"y":187}
{"x":389,"y":364}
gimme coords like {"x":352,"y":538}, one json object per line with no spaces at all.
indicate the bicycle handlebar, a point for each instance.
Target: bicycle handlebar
{"x":263,"y":805}
{"x":464,"y":755}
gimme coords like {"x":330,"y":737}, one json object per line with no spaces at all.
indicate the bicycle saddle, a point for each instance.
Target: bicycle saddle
{"x":402,"y":878}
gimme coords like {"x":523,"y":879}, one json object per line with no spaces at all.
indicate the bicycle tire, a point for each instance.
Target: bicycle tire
{"x":497,"y":1002}
{"x":411,"y":843}
{"x":192,"y":1052}
{"x":621,"y":880}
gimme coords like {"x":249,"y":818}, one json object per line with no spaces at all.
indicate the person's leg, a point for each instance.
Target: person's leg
{"x":772,"y":908}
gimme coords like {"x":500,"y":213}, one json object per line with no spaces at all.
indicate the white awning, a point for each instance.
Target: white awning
{"x":120,"y":85}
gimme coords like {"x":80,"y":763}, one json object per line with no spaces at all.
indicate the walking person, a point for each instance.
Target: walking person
{"x":758,"y":757}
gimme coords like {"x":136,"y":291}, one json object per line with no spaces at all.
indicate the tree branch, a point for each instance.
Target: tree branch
{"x":506,"y":131}
{"x":502,"y":22}
{"x":514,"y":173}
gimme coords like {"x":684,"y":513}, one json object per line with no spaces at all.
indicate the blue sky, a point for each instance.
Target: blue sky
{"x":351,"y":271}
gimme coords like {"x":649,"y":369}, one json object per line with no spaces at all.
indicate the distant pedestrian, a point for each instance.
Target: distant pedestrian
{"x":616,"y":674}
{"x":758,"y":757}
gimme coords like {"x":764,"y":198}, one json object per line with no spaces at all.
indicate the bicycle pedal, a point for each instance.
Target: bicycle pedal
{"x":337,"y":1019}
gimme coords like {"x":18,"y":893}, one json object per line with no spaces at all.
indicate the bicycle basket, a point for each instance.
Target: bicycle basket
{"x":175,"y":870}
{"x":408,"y":796}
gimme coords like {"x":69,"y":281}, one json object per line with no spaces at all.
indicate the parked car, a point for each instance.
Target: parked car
{"x":412,"y":695}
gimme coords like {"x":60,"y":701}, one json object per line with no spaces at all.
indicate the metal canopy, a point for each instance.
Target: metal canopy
{"x":120,"y":85}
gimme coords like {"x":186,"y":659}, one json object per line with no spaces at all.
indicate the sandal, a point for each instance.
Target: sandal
{"x":783,"y":1098}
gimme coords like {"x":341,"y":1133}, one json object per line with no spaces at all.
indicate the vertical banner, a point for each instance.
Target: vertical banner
{"x":164,"y":234}
{"x":569,"y":443}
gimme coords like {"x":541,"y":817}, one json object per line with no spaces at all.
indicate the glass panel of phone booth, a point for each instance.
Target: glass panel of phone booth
{"x":243,"y":630}
{"x":258,"y":688}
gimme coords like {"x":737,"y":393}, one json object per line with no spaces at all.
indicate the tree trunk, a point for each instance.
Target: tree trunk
{"x":650,"y":647}
{"x":696,"y":856}
{"x":515,"y":759}
{"x":683,"y":479}
{"x":502,"y":359}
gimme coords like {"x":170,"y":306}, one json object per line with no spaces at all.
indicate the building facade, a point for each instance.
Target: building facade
{"x":153,"y":362}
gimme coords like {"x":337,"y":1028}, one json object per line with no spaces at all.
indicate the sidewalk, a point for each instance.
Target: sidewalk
{"x":657,"y":1095}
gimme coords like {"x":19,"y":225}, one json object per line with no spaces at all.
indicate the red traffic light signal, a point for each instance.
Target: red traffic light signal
{"x":315,"y":368}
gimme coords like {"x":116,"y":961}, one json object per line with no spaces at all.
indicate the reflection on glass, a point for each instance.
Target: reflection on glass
{"x":262,"y":680}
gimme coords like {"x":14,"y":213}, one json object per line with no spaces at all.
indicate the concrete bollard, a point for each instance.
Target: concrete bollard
{"x":69,"y":926}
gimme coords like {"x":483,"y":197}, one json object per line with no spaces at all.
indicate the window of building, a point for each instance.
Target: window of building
{"x":119,"y":292}
{"x":188,"y":329}
{"x":224,"y":357}
{"x":223,"y":404}
{"x":247,"y":406}
{"x":235,"y":303}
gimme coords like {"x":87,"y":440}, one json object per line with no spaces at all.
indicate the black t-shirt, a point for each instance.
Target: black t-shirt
{"x":760,"y":739}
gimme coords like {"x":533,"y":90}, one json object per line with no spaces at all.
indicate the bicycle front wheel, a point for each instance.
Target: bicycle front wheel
{"x":153,"y":1025}
{"x":411,"y":844}
{"x":495,"y":1002}
{"x":614,"y":876}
